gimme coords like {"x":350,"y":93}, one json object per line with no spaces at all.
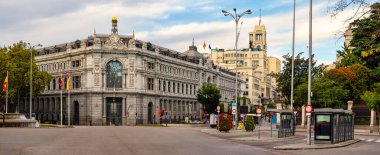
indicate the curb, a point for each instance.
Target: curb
{"x":323,"y":146}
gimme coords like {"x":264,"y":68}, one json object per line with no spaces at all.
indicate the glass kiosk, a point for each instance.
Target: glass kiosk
{"x":285,"y":128}
{"x":333,"y":125}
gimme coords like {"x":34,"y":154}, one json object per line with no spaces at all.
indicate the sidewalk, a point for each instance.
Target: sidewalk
{"x":304,"y":146}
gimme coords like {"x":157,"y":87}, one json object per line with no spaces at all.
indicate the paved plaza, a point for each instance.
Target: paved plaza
{"x":129,"y":140}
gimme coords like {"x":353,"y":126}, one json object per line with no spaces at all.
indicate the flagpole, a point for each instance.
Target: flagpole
{"x":68,"y":101}
{"x":61,"y":96}
{"x":6,"y":95}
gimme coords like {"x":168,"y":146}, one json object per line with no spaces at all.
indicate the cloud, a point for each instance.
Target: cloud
{"x":279,"y":32}
{"x":80,"y":23}
{"x":50,"y":23}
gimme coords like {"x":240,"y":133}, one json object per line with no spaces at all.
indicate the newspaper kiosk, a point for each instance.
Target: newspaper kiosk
{"x":333,"y":125}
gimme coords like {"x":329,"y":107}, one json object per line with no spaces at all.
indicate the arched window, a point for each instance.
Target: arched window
{"x":114,"y":69}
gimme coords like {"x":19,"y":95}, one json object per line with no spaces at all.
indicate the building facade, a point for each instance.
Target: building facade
{"x":253,"y":65}
{"x":119,"y":80}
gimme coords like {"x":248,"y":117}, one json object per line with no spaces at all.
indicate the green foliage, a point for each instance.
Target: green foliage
{"x":249,"y":123}
{"x":329,"y":93}
{"x":355,"y":78}
{"x":16,"y":60}
{"x":271,"y":105}
{"x":225,"y":122}
{"x":300,"y":74}
{"x":365,"y":42}
{"x":208,"y":95}
{"x":221,"y":107}
{"x":372,"y":98}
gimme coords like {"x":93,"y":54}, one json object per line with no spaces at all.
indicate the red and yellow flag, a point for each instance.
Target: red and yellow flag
{"x":60,"y":82}
{"x":68,"y":82}
{"x":5,"y":83}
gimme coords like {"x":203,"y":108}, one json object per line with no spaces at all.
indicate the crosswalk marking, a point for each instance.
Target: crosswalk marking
{"x":378,"y":141}
{"x":369,"y":140}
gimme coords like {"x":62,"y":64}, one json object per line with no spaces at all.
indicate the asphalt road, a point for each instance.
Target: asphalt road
{"x":119,"y":140}
{"x":150,"y":141}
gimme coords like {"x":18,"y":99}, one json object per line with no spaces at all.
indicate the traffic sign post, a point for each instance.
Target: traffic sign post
{"x":258,"y":113}
{"x":234,"y":112}
{"x":218,"y":110}
{"x":309,"y":110}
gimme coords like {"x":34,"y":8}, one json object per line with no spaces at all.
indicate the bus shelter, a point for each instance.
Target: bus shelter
{"x":333,"y":125}
{"x":282,"y":123}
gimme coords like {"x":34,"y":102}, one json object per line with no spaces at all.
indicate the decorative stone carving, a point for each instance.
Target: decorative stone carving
{"x":132,"y":43}
{"x":144,"y":46}
{"x":96,"y":71}
{"x":157,"y":50}
{"x":114,"y":42}
{"x":131,"y":73}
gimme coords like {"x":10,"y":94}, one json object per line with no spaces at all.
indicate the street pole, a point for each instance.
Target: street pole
{"x":292,"y":80}
{"x":309,"y":76}
{"x":31,"y":84}
{"x":31,"y":78}
{"x":236,"y":18}
{"x":6,"y":96}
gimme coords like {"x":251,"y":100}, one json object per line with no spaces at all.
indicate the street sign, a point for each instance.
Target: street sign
{"x":258,"y":111}
{"x":271,"y":112}
{"x":234,"y":111}
{"x":308,"y":109}
{"x":218,"y":109}
{"x":295,"y":112}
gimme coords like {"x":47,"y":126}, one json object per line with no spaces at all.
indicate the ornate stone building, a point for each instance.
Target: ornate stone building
{"x":253,"y":65}
{"x":117,"y":79}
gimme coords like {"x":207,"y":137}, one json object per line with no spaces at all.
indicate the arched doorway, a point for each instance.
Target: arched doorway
{"x":76,"y":113}
{"x":114,"y":111}
{"x":150,"y":113}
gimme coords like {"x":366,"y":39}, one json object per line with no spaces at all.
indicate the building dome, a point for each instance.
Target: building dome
{"x":193,"y":52}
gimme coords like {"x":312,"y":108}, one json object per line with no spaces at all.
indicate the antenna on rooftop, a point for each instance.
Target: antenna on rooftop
{"x":260,"y":17}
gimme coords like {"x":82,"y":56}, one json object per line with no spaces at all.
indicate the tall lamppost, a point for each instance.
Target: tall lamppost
{"x":31,"y":48}
{"x":309,"y":75}
{"x":236,"y":18}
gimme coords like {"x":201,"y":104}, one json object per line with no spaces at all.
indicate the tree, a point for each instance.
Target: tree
{"x":300,"y":74}
{"x":208,"y":95}
{"x":365,"y":43}
{"x":340,"y":5}
{"x":355,"y":78}
{"x":16,"y":60}
{"x":372,"y":98}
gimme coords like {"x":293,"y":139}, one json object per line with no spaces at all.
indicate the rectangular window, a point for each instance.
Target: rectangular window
{"x":178,"y":88}
{"x":150,"y":84}
{"x":150,"y":66}
{"x":255,"y":63}
{"x":159,"y":85}
{"x":76,"y":82}
{"x":169,"y":86}
{"x":164,"y":87}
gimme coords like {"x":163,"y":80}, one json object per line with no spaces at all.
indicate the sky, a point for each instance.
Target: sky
{"x":173,"y":23}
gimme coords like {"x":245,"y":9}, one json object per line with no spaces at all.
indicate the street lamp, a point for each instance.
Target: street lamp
{"x":236,"y":18}
{"x":31,"y":48}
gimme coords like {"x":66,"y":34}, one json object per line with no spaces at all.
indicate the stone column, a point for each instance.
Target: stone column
{"x":349,"y":105}
{"x":303,"y":117}
{"x":278,"y":106}
{"x":373,"y":116}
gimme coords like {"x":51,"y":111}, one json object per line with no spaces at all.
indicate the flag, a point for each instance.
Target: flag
{"x":209,"y":46}
{"x":68,"y":82}
{"x":5,"y":83}
{"x":204,"y":45}
{"x":60,"y":82}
